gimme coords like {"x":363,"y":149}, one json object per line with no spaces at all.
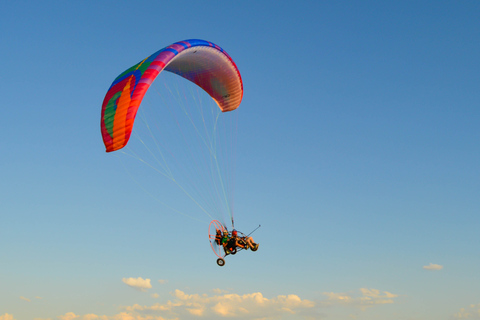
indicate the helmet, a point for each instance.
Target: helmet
{"x":225,"y":232}
{"x":234,"y":233}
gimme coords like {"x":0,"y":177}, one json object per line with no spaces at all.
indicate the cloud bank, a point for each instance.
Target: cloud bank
{"x":247,"y":306}
{"x":221,"y":304}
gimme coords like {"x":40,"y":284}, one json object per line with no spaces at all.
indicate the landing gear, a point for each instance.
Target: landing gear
{"x":220,"y":262}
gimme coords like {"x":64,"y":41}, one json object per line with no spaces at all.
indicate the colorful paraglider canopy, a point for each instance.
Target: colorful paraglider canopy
{"x":202,"y":62}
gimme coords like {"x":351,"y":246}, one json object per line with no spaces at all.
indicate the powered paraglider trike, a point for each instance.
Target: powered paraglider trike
{"x":224,"y":243}
{"x":191,"y":145}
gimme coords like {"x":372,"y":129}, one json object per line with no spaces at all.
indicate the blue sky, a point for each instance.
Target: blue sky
{"x":358,"y":154}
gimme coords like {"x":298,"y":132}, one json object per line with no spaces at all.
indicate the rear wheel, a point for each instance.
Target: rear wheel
{"x":220,"y":262}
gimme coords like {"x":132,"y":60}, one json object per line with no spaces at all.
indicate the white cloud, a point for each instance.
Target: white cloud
{"x":472,"y":312}
{"x":433,"y":266}
{"x":364,"y":299}
{"x":247,"y":306}
{"x":219,"y":291}
{"x":120,"y":316}
{"x":162,"y":281}
{"x":7,"y":316}
{"x":377,"y":295}
{"x":25,"y":299}
{"x":92,"y":317}
{"x":68,"y":316}
{"x":155,"y":295}
{"x":138,"y":283}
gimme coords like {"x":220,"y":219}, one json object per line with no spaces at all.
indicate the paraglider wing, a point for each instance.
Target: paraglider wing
{"x":199,"y":61}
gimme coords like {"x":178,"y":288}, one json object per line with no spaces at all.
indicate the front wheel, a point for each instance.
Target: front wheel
{"x":220,"y":262}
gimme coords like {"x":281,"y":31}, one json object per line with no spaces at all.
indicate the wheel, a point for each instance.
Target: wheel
{"x":220,"y":262}
{"x":255,"y":247}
